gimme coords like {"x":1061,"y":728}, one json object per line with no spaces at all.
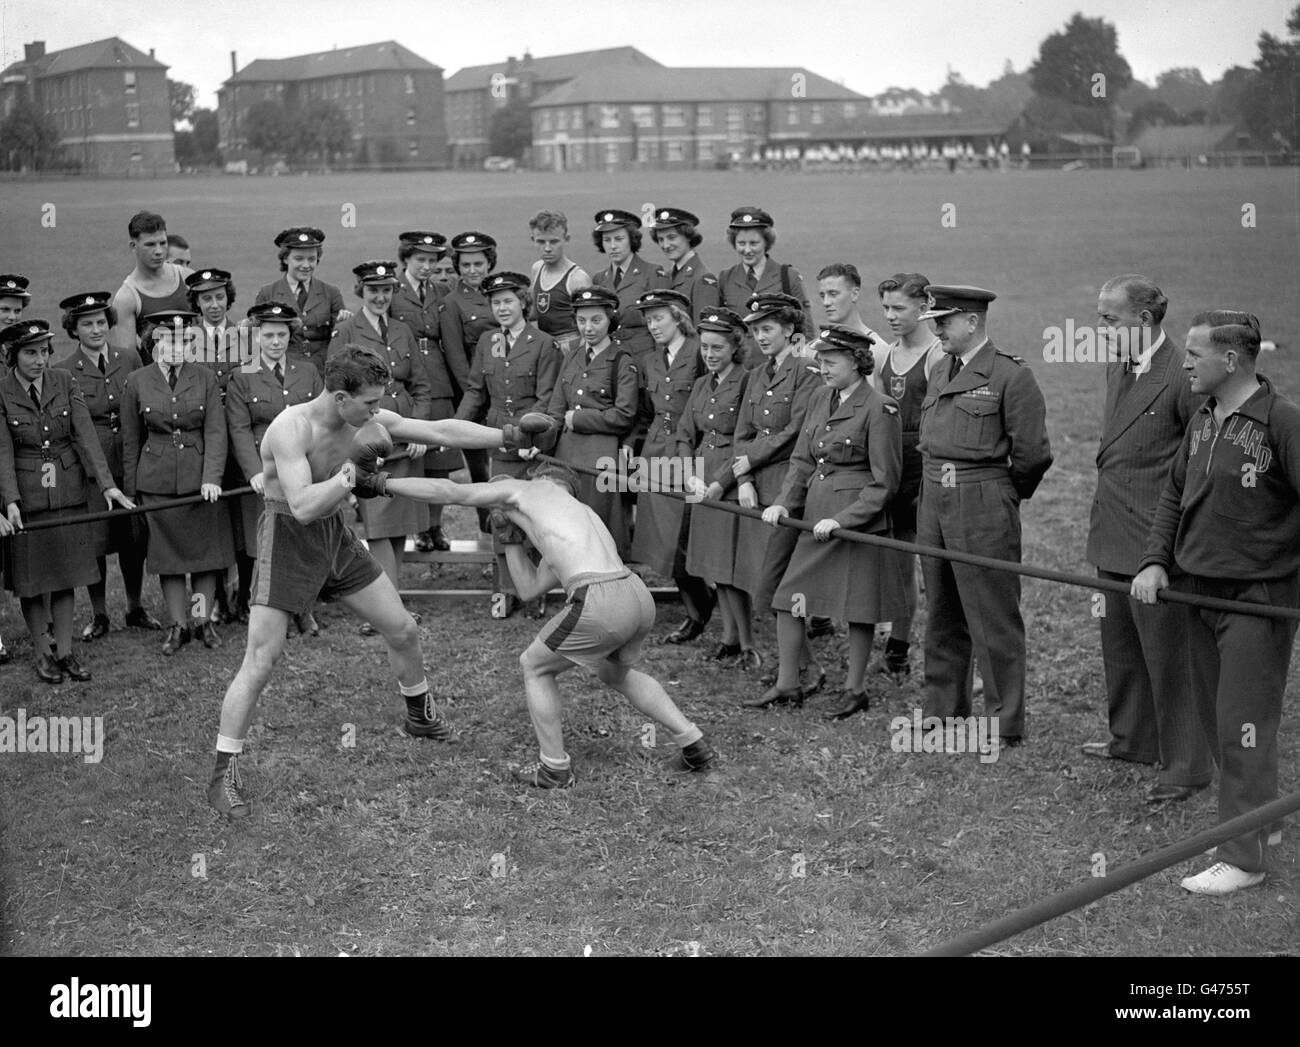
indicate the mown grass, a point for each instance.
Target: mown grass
{"x":401,"y":847}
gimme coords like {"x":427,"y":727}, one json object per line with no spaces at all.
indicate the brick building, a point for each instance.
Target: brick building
{"x":392,"y":99}
{"x":657,"y":117}
{"x":476,"y":92}
{"x":108,"y":100}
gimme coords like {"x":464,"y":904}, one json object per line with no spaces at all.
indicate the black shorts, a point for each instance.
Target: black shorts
{"x":298,"y":562}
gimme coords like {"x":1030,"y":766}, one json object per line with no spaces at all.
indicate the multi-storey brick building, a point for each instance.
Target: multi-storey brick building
{"x":108,"y":100}
{"x":607,"y":119}
{"x":477,"y":91}
{"x":392,"y":99}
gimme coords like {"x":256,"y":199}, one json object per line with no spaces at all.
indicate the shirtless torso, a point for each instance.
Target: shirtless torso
{"x":570,"y":537}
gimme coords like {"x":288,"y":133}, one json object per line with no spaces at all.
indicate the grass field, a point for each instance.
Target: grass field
{"x":813,"y":838}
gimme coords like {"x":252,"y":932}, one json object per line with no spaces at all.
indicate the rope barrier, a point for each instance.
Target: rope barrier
{"x":113,"y":514}
{"x":1212,"y":603}
{"x":1055,"y":905}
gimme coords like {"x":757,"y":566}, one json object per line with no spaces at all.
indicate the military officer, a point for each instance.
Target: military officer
{"x":514,"y":372}
{"x":257,"y":394}
{"x":417,"y":303}
{"x":752,"y":234}
{"x":319,"y":305}
{"x":1149,"y":404}
{"x":14,"y":297}
{"x":101,"y":374}
{"x":618,"y":235}
{"x":984,"y":449}
{"x":211,"y":294}
{"x":47,"y":450}
{"x":677,"y":233}
{"x":594,"y":404}
{"x":174,"y":445}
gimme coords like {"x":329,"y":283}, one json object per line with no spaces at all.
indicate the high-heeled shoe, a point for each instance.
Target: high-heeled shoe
{"x":852,"y":702}
{"x":776,"y":696}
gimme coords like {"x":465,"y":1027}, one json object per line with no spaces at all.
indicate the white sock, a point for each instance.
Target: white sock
{"x":557,"y":765}
{"x":229,"y":745}
{"x":415,"y":690}
{"x":689,"y":736}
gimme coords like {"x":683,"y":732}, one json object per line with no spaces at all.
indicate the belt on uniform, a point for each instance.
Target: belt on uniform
{"x":963,"y":472}
{"x":178,"y":439}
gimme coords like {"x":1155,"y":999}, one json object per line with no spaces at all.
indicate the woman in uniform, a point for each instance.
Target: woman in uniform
{"x":771,"y":417}
{"x":594,"y":404}
{"x":514,"y":372}
{"x":101,"y":372}
{"x":255,"y":396}
{"x":618,"y":236}
{"x":14,"y":297}
{"x":677,"y":234}
{"x":844,"y":471}
{"x":443,"y":273}
{"x":48,"y":450}
{"x":319,"y":305}
{"x":465,"y":318}
{"x":417,"y":303}
{"x":663,"y":524}
{"x":387,"y":521}
{"x":705,"y":433}
{"x":174,"y":446}
{"x":752,"y":235}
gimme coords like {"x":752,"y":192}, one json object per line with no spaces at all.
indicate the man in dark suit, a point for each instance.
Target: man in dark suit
{"x":1149,"y":403}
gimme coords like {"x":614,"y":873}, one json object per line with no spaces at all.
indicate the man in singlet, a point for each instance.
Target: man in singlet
{"x":903,"y":373}
{"x":839,"y":286}
{"x":555,"y":278}
{"x":155,"y":285}
{"x":305,"y":549}
{"x":607,"y":616}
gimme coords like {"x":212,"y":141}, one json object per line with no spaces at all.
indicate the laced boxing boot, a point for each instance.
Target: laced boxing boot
{"x":224,"y":788}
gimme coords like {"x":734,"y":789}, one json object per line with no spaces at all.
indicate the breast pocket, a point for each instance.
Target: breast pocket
{"x":975,"y":422}
{"x":190,"y":413}
{"x":23,"y":430}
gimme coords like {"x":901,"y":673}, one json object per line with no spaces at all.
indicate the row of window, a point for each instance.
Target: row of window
{"x":671,"y":116}
{"x":610,"y":153}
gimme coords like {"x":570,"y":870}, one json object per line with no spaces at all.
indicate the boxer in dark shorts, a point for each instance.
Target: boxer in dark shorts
{"x":297,"y":561}
{"x":607,"y":616}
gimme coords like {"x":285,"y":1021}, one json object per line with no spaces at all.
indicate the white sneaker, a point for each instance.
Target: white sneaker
{"x":1221,"y":878}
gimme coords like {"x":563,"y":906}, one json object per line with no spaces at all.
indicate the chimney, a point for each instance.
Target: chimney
{"x":33,"y":51}
{"x":151,"y":52}
{"x":234,"y":68}
{"x":510,"y":66}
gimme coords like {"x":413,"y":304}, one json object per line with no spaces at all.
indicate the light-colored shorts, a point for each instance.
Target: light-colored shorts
{"x":606,"y":618}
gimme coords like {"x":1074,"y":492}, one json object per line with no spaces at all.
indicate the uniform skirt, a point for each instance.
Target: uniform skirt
{"x":50,"y":560}
{"x":711,"y":548}
{"x":440,"y":463}
{"x":116,"y":535}
{"x":659,"y":521}
{"x":762,"y":555}
{"x":189,"y":538}
{"x":846,"y":581}
{"x":395,"y":517}
{"x":586,"y":449}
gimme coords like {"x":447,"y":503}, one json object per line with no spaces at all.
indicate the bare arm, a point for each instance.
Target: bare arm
{"x":530,"y":581}
{"x":307,"y":501}
{"x":122,"y":334}
{"x":448,"y":492}
{"x":448,"y":432}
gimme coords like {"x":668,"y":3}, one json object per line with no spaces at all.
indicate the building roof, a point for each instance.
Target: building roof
{"x":1081,"y":138}
{"x":914,"y":125}
{"x":662,"y":84}
{"x":548,"y":67}
{"x":110,"y":53}
{"x":346,"y":61}
{"x":1192,"y":140}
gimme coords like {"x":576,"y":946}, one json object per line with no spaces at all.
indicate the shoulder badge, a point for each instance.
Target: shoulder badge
{"x":660,"y":272}
{"x":889,"y":408}
{"x":710,"y":280}
{"x":1011,"y":356}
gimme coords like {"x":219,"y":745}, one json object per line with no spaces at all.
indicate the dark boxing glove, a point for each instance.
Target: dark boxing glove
{"x":505,"y":530}
{"x":370,"y":447}
{"x":533,"y":429}
{"x":371,"y":485}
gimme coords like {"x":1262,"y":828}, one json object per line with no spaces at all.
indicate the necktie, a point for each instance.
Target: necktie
{"x":302,"y":296}
{"x":591,"y":355}
{"x":954,"y":368}
{"x":835,"y":403}
{"x":771,"y":370}
{"x":171,"y":377}
{"x":618,"y":276}
{"x":36,"y":397}
{"x":422,"y":292}
{"x":713,"y":382}
{"x":383,"y":330}
{"x":676,"y":270}
{"x":279,"y":374}
{"x":100,"y":363}
{"x":751,"y":278}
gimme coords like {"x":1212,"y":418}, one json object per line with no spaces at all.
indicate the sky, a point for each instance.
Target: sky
{"x":867,"y":45}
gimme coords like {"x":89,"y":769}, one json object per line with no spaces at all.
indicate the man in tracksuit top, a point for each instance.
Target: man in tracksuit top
{"x":1229,"y":516}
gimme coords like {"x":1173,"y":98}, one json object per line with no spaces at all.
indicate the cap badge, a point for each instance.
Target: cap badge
{"x":747,"y":218}
{"x":380,"y":270}
{"x":663,"y":214}
{"x":90,"y":299}
{"x":303,"y":236}
{"x":608,"y":217}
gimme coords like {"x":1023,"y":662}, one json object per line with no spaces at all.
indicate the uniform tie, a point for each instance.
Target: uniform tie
{"x":713,"y":382}
{"x":383,"y":330}
{"x":618,"y":276}
{"x":279,"y":374}
{"x":302,"y":296}
{"x":99,"y":362}
{"x":751,"y":278}
{"x":836,"y":398}
{"x":954,"y":368}
{"x":771,"y":370}
{"x":171,"y":377}
{"x":36,"y":397}
{"x":422,"y":292}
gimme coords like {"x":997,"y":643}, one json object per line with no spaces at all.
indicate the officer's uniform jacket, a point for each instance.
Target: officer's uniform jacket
{"x":408,"y":391}
{"x":425,"y":322}
{"x":173,"y":440}
{"x":693,"y":279}
{"x":465,"y":317}
{"x":771,"y":418}
{"x":503,"y":385}
{"x":734,"y":291}
{"x":708,"y":425}
{"x":311,"y":340}
{"x":103,"y":394}
{"x":664,"y":394}
{"x":603,"y":396}
{"x":639,"y":276}
{"x":253,"y":400}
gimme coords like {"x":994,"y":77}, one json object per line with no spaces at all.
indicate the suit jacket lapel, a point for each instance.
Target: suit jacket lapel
{"x":974,"y":374}
{"x":1132,"y":397}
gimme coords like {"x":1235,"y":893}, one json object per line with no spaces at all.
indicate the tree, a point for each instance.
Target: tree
{"x":198,"y":146}
{"x":29,"y":139}
{"x":1082,"y":69}
{"x":180,"y":97}
{"x":1183,"y":90}
{"x":1225,"y":107}
{"x":1270,"y":102}
{"x":266,"y":127}
{"x":321,"y":130}
{"x":1154,"y":113}
{"x":511,"y":129}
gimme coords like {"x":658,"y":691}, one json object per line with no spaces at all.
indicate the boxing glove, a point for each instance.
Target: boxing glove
{"x":533,"y":429}
{"x":505,"y":530}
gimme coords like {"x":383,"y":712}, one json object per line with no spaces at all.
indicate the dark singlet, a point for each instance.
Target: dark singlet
{"x":908,"y":389}
{"x":177,"y":299}
{"x":553,"y":309}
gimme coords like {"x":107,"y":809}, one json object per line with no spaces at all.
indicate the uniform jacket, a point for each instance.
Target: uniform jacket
{"x":848,"y":462}
{"x":734,"y":292}
{"x":693,"y":279}
{"x":708,"y":425}
{"x":771,"y":418}
{"x":173,"y":440}
{"x":408,"y":391}
{"x":992,"y":415}
{"x":221,"y":347}
{"x":464,"y":318}
{"x":1142,"y":428}
{"x":502,"y":386}
{"x":103,"y":395}
{"x":1230,"y":507}
{"x":664,"y":393}
{"x":602,"y":394}
{"x":254,"y":398}
{"x":425,"y":323}
{"x":324,"y":303}
{"x":61,"y":435}
{"x":639,"y":277}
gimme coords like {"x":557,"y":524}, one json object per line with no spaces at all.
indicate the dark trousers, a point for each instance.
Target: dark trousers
{"x":697,"y":598}
{"x":1239,"y":665}
{"x":1152,"y":712}
{"x":973,"y":608}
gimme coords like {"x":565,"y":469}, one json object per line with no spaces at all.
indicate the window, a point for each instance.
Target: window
{"x":410,"y":117}
{"x":674,"y":116}
{"x":643,"y":150}
{"x":609,"y":117}
{"x":791,"y":114}
{"x":347,"y":88}
{"x":816,"y":113}
{"x":673,"y":150}
{"x":410,"y":84}
{"x":562,"y":120}
{"x":850,"y":110}
{"x":577,"y":118}
{"x":704,"y":116}
{"x":132,"y":114}
{"x":137,"y":155}
{"x":546,"y":121}
{"x":413,"y":148}
{"x":611,"y":152}
{"x":643,"y":116}
{"x":704,"y":152}
{"x":128,"y":78}
{"x":576,"y":155}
